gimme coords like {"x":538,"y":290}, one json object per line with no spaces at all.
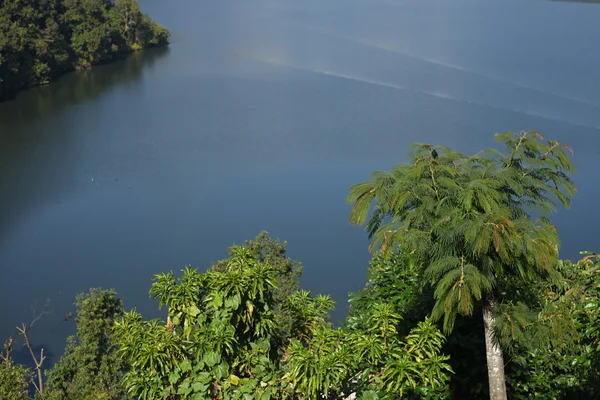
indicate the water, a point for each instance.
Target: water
{"x":259,"y":116}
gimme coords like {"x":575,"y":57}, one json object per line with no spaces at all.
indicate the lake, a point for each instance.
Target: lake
{"x":259,"y":116}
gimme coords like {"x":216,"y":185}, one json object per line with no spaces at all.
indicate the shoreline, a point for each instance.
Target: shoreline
{"x":118,"y":56}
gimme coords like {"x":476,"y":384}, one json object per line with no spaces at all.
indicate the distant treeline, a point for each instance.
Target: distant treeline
{"x":42,"y":39}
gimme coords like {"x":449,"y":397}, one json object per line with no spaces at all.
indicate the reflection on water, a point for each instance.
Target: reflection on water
{"x":23,"y":141}
{"x":74,"y":88}
{"x":37,"y":167}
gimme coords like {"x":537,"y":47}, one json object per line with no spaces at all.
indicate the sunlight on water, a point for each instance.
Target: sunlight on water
{"x":272,"y":60}
{"x":391,"y":49}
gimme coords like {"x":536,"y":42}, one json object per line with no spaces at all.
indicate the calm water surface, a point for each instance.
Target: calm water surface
{"x":259,"y":116}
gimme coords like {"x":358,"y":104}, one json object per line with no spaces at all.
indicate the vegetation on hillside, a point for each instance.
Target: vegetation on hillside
{"x":42,"y":39}
{"x":462,"y":278}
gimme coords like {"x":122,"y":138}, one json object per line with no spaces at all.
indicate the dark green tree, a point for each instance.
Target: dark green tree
{"x":41,"y":39}
{"x":567,"y":367}
{"x":91,"y":367}
{"x":136,"y":28}
{"x":273,"y":252}
{"x":468,"y":222}
{"x":393,"y":278}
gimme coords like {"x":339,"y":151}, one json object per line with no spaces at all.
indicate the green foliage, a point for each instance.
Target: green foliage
{"x":272,"y":252}
{"x":467,"y":219}
{"x":552,"y":353}
{"x":90,"y":367}
{"x":308,"y":314}
{"x":14,"y":378}
{"x":393,"y":278}
{"x":467,"y":222}
{"x":41,"y":39}
{"x":463,"y":225}
{"x":220,"y":339}
{"x":372,"y":362}
{"x":568,"y":367}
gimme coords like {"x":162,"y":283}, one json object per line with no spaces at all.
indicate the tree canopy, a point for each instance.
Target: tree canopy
{"x":42,"y":39}
{"x":220,"y":340}
{"x":90,"y":367}
{"x":468,"y":221}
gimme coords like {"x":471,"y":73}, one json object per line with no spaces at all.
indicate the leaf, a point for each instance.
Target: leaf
{"x":369,"y":395}
{"x":193,"y":310}
{"x":184,"y":388}
{"x":185,"y":384}
{"x":203,"y":377}
{"x":233,"y":380}
{"x":199,"y":387}
{"x":217,"y":300}
{"x":185,"y":366}
{"x":221,"y":370}
{"x":176,"y":319}
{"x":266,"y":395}
{"x":211,"y":358}
{"x":184,"y":391}
{"x":232,"y":302}
{"x":174,"y":377}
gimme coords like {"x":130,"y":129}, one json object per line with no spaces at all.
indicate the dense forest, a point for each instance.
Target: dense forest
{"x":42,"y":39}
{"x":466,"y":298}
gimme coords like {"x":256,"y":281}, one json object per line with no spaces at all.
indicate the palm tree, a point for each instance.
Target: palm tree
{"x":467,"y":221}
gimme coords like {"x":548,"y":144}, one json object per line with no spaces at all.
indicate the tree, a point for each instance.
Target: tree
{"x":273,"y":252}
{"x":217,"y":339}
{"x":467,"y":221}
{"x":128,"y":13}
{"x":41,"y":39}
{"x":14,"y":378}
{"x":220,"y":341}
{"x":393,"y":278}
{"x":570,"y":366}
{"x":373,"y":362}
{"x":91,"y":367}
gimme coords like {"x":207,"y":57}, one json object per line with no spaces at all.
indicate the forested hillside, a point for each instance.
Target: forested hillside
{"x":42,"y":39}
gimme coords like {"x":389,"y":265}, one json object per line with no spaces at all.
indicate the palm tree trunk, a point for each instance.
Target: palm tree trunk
{"x":495,"y":360}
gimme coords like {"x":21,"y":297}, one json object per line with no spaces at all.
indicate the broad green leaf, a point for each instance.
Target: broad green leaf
{"x":203,"y":377}
{"x":185,"y":366}
{"x":217,"y":300}
{"x":266,"y":395}
{"x":369,"y":395}
{"x":193,"y":310}
{"x":211,"y":358}
{"x":174,"y":377}
{"x":221,"y":370}
{"x":199,"y":387}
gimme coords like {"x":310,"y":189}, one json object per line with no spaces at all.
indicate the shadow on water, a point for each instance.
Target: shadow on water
{"x":75,"y":88}
{"x":24,"y":134}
